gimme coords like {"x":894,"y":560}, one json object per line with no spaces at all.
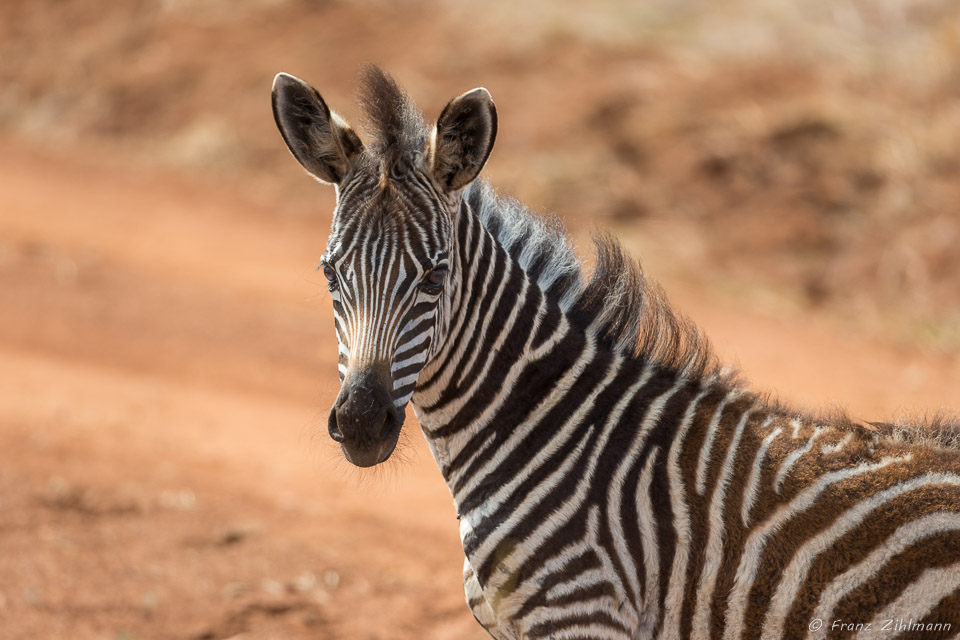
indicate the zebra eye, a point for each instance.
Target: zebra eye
{"x":434,"y":277}
{"x":329,"y":274}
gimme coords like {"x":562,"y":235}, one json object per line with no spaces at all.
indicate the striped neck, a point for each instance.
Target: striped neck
{"x":514,"y":367}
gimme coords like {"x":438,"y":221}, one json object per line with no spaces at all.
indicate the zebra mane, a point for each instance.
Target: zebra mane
{"x":940,"y":431}
{"x":392,"y":121}
{"x":618,"y":304}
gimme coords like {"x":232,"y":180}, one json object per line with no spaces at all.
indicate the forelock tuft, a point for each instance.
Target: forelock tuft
{"x":391,"y":120}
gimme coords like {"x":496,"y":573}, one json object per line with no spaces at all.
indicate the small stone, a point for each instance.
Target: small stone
{"x":331,"y":578}
{"x":273,"y":587}
{"x":149,"y":602}
{"x":235,"y":589}
{"x":306,"y":581}
{"x":180,"y":499}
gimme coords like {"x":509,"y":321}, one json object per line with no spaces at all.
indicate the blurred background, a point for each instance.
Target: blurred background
{"x":789,"y":170}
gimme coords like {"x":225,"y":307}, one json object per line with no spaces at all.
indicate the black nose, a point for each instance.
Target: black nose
{"x":364,"y":420}
{"x":369,"y":422}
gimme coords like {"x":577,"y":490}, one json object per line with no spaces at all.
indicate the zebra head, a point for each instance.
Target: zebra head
{"x":391,"y":258}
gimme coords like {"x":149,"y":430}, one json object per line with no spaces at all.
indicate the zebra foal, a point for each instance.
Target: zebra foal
{"x":611,"y":479}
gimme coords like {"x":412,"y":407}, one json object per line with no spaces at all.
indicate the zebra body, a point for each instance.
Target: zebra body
{"x":657,"y":506}
{"x":610,"y":479}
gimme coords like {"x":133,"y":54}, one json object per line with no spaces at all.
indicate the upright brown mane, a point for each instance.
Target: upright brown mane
{"x":392,"y":122}
{"x":627,"y":311}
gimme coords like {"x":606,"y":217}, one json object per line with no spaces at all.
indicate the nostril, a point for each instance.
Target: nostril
{"x":333,"y":427}
{"x":391,"y":422}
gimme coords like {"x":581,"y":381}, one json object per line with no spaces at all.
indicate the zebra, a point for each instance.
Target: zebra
{"x":612,"y":478}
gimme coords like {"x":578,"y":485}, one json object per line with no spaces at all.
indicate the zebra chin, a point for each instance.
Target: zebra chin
{"x":371,"y":454}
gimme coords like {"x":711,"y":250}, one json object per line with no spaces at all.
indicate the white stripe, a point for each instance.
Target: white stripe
{"x":592,"y":630}
{"x":382,"y":302}
{"x":530,"y":547}
{"x":402,"y":382}
{"x":796,"y":428}
{"x":582,"y":580}
{"x":836,"y":447}
{"x":417,"y":359}
{"x":750,"y":493}
{"x":792,"y":458}
{"x":649,"y":613}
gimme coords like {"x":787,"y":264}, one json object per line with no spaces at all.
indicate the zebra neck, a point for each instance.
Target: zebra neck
{"x":513,"y":369}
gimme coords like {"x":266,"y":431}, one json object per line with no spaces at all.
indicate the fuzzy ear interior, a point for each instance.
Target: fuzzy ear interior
{"x":463,"y":139}
{"x":319,"y":139}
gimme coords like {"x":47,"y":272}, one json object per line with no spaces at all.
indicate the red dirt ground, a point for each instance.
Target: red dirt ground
{"x":168,"y":360}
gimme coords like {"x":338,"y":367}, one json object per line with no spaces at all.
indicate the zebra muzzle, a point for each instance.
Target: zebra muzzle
{"x":364,"y":420}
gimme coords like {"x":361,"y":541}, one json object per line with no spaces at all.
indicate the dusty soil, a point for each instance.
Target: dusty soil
{"x":790,"y":171}
{"x":167,"y":363}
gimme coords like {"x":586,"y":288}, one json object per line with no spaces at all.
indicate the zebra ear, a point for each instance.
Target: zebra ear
{"x":319,"y":139}
{"x":463,"y":139}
